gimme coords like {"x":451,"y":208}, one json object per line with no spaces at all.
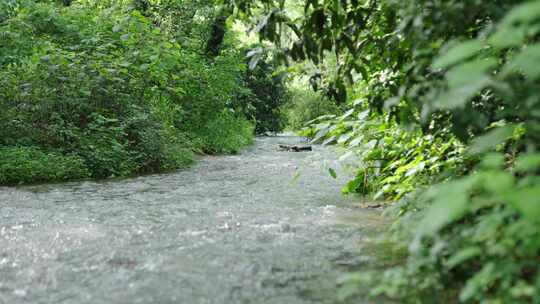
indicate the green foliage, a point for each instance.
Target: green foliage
{"x":217,"y":139}
{"x":305,"y":106}
{"x":32,"y":165}
{"x":388,"y":45}
{"x":266,"y":95}
{"x":123,"y":90}
{"x":462,"y":78}
{"x":478,"y":235}
{"x":389,"y":160}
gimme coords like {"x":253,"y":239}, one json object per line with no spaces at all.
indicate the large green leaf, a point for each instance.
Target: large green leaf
{"x":524,"y":13}
{"x":526,"y":62}
{"x":506,"y":37}
{"x":458,"y":53}
{"x":458,"y":97}
{"x":499,"y":182}
{"x":468,"y":72}
{"x":528,"y":163}
{"x":491,"y":139}
{"x":463,"y":256}
{"x":527,"y":202}
{"x":465,"y":81}
{"x":449,"y":204}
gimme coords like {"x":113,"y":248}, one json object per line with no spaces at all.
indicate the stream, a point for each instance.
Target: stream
{"x":261,"y":227}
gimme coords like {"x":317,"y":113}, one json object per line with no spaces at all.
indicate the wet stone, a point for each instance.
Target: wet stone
{"x":286,"y":228}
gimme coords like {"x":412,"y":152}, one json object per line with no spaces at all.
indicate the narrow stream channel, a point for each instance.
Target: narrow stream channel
{"x":232,"y":229}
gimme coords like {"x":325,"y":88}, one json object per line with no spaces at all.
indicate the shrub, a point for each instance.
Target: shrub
{"x":33,"y":165}
{"x":389,"y":161}
{"x":266,"y":95}
{"x":305,"y":106}
{"x":114,"y":86}
{"x":476,"y":237}
{"x":228,"y":133}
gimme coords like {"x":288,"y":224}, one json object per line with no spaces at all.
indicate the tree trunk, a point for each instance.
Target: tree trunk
{"x":217,"y":34}
{"x":294,"y":148}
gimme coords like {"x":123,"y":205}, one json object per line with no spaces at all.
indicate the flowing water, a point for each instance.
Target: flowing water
{"x":261,"y":227}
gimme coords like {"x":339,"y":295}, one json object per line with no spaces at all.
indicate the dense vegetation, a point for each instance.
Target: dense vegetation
{"x":113,"y":88}
{"x":442,"y":114}
{"x":435,"y":103}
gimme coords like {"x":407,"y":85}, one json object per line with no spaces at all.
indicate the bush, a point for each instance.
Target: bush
{"x":226,"y":134}
{"x":155,"y":148}
{"x":476,"y":236}
{"x":305,"y":106}
{"x":389,"y":161}
{"x":32,"y":165}
{"x":114,"y":86}
{"x":266,"y":95}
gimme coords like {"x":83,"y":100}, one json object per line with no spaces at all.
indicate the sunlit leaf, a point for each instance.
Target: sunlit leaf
{"x":254,"y":52}
{"x":346,"y":156}
{"x":254,"y":60}
{"x":347,"y":114}
{"x":363,"y":115}
{"x":329,"y":140}
{"x":356,"y":142}
{"x":344,"y":138}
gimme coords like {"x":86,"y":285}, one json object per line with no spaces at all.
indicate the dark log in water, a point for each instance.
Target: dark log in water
{"x":295,"y":148}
